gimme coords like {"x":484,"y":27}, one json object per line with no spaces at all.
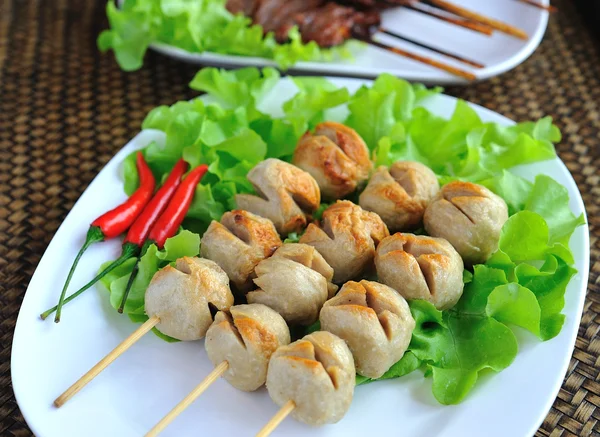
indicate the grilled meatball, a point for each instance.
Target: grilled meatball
{"x":317,"y":374}
{"x":336,"y":156}
{"x":347,"y":239}
{"x":421,"y":267}
{"x":239,"y":243}
{"x":401,"y":194}
{"x":287,"y":195}
{"x":375,"y":322}
{"x":180,"y":296}
{"x":246,"y":336}
{"x":295,"y":282}
{"x":470,"y":217}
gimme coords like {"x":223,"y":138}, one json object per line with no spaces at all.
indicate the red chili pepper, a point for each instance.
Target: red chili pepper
{"x":114,"y":222}
{"x":168,"y":223}
{"x":141,"y":227}
{"x":138,"y":232}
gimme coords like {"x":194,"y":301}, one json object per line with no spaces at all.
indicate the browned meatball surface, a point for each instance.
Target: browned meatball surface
{"x":180,"y":296}
{"x":470,"y":217}
{"x":336,"y":156}
{"x":295,"y":282}
{"x":400,"y":194}
{"x":285,"y":195}
{"x":238,"y":243}
{"x":245,"y":337}
{"x":316,"y":373}
{"x":421,"y":267}
{"x":346,"y":238}
{"x":374,"y":320}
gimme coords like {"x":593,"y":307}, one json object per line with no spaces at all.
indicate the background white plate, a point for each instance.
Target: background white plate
{"x":148,"y":380}
{"x":499,"y":52}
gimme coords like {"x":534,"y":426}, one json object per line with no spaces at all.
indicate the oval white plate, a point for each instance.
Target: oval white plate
{"x":499,"y":52}
{"x":148,"y":380}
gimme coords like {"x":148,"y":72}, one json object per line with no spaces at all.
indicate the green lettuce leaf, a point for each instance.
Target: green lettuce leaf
{"x":550,"y":199}
{"x":307,"y":108}
{"x":376,"y":110}
{"x":457,"y":346}
{"x":515,"y":304}
{"x":548,"y":284}
{"x":407,"y":364}
{"x":236,"y":88}
{"x":514,"y":189}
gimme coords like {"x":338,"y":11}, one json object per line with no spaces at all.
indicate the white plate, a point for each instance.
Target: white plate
{"x":130,"y":396}
{"x":499,"y":53}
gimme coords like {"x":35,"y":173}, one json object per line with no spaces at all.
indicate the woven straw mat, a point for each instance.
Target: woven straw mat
{"x":66,"y":109}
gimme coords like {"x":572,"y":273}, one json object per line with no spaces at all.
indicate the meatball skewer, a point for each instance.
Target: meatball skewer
{"x":179,"y":302}
{"x":312,"y":379}
{"x":239,"y":343}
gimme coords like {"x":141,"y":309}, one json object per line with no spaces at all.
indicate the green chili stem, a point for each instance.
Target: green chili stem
{"x":94,"y":235}
{"x":132,"y":276}
{"x":129,"y":250}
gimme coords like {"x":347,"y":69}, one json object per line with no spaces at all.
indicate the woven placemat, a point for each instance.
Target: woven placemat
{"x":65,"y":110}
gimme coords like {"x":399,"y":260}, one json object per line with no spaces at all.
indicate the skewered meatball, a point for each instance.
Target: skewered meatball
{"x":374,"y":320}
{"x":287,"y":195}
{"x":180,"y":296}
{"x":347,"y":238}
{"x":401,"y":194}
{"x":239,"y":243}
{"x":317,"y":374}
{"x":421,"y":267}
{"x":295,"y":282}
{"x":470,"y":217}
{"x":336,"y":156}
{"x":246,"y":336}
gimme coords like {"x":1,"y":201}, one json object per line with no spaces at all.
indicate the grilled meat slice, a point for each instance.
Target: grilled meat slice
{"x":278,"y":16}
{"x":327,"y":23}
{"x":332,"y":24}
{"x":245,"y":7}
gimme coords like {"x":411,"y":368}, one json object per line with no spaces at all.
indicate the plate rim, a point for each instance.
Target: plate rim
{"x":581,"y":295}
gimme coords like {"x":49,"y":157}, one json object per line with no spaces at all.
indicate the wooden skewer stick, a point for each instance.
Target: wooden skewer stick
{"x":467,"y":24}
{"x":471,"y":15}
{"x":106,"y":361}
{"x":433,"y":49}
{"x":187,"y":401}
{"x":283,"y":412}
{"x":548,"y":8}
{"x":423,"y":59}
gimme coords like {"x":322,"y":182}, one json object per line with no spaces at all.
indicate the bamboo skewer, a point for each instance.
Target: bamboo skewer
{"x":467,"y":24}
{"x":187,"y":401}
{"x":283,"y":412}
{"x":471,"y":15}
{"x":423,"y":59}
{"x":433,"y":49}
{"x":548,"y":8}
{"x":106,"y":361}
